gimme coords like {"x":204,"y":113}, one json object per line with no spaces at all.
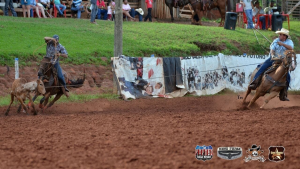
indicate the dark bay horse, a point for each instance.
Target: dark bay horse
{"x":53,"y":87}
{"x":170,"y":4}
{"x":221,"y":5}
{"x":275,"y":81}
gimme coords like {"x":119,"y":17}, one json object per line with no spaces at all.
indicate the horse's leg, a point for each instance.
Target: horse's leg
{"x":248,"y":92}
{"x":199,"y":13}
{"x":11,"y":101}
{"x":256,"y":96}
{"x":55,"y":99}
{"x":271,"y":96}
{"x":222,"y":13}
{"x":32,"y":105}
{"x":171,"y":12}
{"x":45,"y":101}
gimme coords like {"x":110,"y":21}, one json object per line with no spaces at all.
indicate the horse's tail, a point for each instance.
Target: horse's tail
{"x":77,"y":83}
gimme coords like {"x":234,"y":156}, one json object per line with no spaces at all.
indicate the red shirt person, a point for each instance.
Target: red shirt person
{"x":149,"y":6}
{"x":102,"y":9}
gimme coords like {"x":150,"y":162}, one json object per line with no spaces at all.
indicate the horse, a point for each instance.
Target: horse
{"x":170,"y":4}
{"x":198,"y":8}
{"x":273,"y":81}
{"x":53,"y":87}
{"x":221,"y":5}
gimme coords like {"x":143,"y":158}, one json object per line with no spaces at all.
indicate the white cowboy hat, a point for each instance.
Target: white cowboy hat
{"x":140,"y":10}
{"x":284,"y":31}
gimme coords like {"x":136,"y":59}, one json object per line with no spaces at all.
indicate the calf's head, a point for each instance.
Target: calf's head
{"x":40,"y":87}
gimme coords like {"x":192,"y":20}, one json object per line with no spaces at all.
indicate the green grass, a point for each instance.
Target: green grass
{"x":5,"y":101}
{"x":86,"y":43}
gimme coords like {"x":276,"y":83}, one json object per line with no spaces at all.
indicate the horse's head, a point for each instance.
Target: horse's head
{"x":289,"y":60}
{"x":40,"y":87}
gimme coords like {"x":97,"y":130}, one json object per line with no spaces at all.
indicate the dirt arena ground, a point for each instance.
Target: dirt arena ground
{"x":153,"y":133}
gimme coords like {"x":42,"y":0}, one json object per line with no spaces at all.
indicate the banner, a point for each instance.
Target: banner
{"x":146,"y":77}
{"x":139,"y":77}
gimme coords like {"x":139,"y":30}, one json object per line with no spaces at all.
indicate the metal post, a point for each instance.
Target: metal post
{"x":118,"y":45}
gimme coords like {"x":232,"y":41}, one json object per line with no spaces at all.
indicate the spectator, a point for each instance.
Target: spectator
{"x":77,"y":7}
{"x":47,"y":5}
{"x":126,"y":8}
{"x":109,"y":10}
{"x":60,"y":7}
{"x":26,"y":7}
{"x":248,"y":11}
{"x":258,"y":10}
{"x":39,"y":7}
{"x":149,"y":6}
{"x":93,"y":10}
{"x":102,"y":9}
{"x":10,"y":4}
{"x":139,"y":12}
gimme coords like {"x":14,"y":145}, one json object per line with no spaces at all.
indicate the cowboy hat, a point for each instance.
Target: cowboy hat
{"x":284,"y":31}
{"x":140,"y":10}
{"x":254,"y":147}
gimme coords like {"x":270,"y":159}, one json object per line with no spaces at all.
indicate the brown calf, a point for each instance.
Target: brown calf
{"x":22,"y":90}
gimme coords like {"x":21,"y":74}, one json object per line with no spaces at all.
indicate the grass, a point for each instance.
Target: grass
{"x":5,"y":101}
{"x":87,"y":43}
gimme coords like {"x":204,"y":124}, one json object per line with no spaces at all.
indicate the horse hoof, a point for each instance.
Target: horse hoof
{"x":6,"y":114}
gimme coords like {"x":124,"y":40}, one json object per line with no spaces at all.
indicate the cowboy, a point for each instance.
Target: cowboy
{"x":278,"y":46}
{"x":53,"y":51}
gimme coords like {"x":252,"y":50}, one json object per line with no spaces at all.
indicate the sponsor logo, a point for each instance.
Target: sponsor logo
{"x":230,"y":153}
{"x":255,"y":153}
{"x":204,"y":152}
{"x":276,"y":153}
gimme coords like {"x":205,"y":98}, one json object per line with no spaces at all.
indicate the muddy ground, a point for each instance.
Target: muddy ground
{"x":148,"y":133}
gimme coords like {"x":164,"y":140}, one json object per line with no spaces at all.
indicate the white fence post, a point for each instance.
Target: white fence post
{"x":16,"y":68}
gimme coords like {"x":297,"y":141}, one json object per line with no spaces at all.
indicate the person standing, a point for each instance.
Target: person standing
{"x":10,"y":4}
{"x":94,"y":10}
{"x":149,"y":6}
{"x":248,"y":11}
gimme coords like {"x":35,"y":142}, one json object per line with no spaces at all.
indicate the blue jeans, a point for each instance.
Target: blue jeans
{"x":264,"y":67}
{"x":263,"y":22}
{"x":93,"y":12}
{"x":133,"y":13}
{"x":249,"y":15}
{"x":61,"y":8}
{"x":100,"y":12}
{"x":60,"y":74}
{"x":10,"y":4}
{"x":78,"y":10}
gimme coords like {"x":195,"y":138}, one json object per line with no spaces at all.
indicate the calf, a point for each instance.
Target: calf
{"x":22,"y":91}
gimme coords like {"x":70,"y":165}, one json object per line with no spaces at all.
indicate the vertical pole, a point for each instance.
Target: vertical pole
{"x":16,"y":68}
{"x":118,"y":41}
{"x":118,"y":44}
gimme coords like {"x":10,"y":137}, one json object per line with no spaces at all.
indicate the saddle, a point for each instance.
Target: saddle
{"x":272,"y":68}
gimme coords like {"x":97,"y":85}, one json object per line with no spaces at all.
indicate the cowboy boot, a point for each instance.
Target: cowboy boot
{"x":253,"y":84}
{"x":283,"y":94}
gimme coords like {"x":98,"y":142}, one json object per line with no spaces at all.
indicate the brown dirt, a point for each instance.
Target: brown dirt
{"x":154,"y":133}
{"x":98,"y":78}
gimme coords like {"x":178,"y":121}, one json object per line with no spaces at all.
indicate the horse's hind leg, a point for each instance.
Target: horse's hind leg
{"x":11,"y":101}
{"x":271,"y":96}
{"x":54,"y":100}
{"x":248,"y":92}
